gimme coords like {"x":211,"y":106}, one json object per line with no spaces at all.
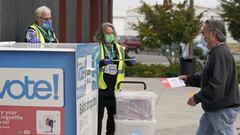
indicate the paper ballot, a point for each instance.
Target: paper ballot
{"x":172,"y":82}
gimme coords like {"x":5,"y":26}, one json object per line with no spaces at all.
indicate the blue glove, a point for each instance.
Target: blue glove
{"x":107,"y":61}
{"x":133,"y":60}
{"x":35,"y":40}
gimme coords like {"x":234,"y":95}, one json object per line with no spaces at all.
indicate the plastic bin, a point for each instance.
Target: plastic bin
{"x":136,"y":105}
{"x":131,"y":127}
{"x":135,"y":112}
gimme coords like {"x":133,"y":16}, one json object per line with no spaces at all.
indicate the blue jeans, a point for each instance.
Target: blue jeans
{"x":220,"y":122}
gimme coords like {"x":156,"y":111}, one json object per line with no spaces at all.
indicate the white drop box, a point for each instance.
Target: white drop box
{"x":131,"y":127}
{"x":136,"y":105}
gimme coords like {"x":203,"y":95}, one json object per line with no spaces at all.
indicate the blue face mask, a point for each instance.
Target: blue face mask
{"x":203,"y":45}
{"x":203,"y":42}
{"x":47,"y":24}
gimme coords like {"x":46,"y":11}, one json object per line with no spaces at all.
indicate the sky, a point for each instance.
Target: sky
{"x":128,"y":4}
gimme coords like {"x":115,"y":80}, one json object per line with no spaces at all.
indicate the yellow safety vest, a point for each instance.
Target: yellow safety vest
{"x":120,"y":75}
{"x":39,"y":34}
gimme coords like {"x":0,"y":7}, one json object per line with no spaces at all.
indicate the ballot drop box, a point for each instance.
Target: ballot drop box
{"x":48,"y":89}
{"x":135,"y":111}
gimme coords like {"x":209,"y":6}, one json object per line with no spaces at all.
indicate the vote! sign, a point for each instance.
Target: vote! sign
{"x":31,"y":87}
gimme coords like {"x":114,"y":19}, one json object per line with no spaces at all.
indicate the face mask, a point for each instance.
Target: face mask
{"x":109,"y":38}
{"x":203,"y":45}
{"x":203,"y":42}
{"x":47,"y":25}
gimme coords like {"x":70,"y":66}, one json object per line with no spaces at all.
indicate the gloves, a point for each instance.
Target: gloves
{"x":35,"y":40}
{"x":133,"y":60}
{"x":107,"y":61}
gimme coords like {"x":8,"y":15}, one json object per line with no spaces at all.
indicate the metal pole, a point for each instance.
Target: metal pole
{"x":191,"y":6}
{"x":123,"y":60}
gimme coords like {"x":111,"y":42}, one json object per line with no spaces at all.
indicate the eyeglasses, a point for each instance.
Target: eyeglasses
{"x":46,"y":19}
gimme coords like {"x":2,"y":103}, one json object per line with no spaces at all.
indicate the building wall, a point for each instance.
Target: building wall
{"x":73,"y":20}
{"x":17,"y":15}
{"x":119,"y":21}
{"x":132,"y":18}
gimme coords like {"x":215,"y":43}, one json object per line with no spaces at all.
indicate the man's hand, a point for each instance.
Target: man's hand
{"x":191,"y":102}
{"x":183,"y":77}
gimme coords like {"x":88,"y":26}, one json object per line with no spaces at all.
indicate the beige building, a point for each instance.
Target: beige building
{"x":123,"y":20}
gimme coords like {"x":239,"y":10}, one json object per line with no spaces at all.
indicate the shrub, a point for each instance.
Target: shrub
{"x":153,"y":70}
{"x":158,"y":70}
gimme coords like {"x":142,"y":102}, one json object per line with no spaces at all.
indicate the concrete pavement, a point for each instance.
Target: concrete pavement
{"x":150,"y":58}
{"x":173,"y":115}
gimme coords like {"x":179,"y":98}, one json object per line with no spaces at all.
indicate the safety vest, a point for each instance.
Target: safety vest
{"x":120,"y":74}
{"x":39,"y":34}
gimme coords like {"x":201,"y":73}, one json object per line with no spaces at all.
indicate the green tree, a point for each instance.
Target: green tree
{"x":166,"y":26}
{"x":231,"y":10}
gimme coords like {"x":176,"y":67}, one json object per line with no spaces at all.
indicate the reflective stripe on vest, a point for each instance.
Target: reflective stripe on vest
{"x":120,"y":75}
{"x":38,"y":33}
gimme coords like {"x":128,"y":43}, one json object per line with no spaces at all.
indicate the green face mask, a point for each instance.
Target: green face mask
{"x":109,"y":38}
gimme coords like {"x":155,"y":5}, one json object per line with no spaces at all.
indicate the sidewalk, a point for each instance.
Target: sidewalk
{"x":173,"y":115}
